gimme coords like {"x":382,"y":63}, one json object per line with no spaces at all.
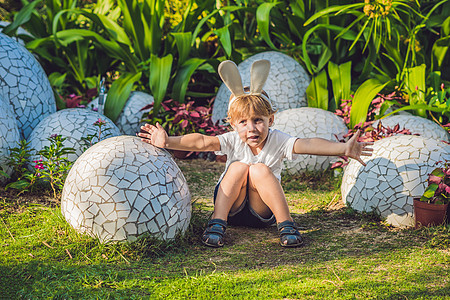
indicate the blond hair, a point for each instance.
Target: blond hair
{"x":249,"y":105}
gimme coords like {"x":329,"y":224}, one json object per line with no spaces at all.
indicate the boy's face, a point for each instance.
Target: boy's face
{"x":253,"y":130}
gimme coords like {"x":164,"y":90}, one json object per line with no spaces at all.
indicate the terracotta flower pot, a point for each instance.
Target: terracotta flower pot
{"x":427,"y":214}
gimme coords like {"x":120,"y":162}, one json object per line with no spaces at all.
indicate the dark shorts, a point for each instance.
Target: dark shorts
{"x":245,"y":215}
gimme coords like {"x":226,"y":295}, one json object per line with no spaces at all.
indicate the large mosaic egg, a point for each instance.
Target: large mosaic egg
{"x":9,"y":136}
{"x":122,"y":188}
{"x":286,"y":84}
{"x":416,"y":125}
{"x":308,"y":122}
{"x":395,"y":173}
{"x":25,"y":85}
{"x":129,"y":120}
{"x":77,"y":126}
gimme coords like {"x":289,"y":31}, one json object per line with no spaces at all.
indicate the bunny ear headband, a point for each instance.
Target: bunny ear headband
{"x":259,"y":72}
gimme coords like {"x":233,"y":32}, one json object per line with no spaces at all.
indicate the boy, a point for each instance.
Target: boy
{"x":249,"y":191}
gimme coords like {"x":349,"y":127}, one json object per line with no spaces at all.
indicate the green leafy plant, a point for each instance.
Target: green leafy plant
{"x":135,"y":43}
{"x":22,"y":179}
{"x":438,"y":189}
{"x":427,"y":98}
{"x":54,"y":165}
{"x":362,"y":100}
{"x":284,"y":27}
{"x":396,"y":45}
{"x":391,"y":35}
{"x":146,"y":51}
{"x":377,"y":16}
{"x":96,"y":137}
{"x":318,"y":92}
{"x":4,"y":174}
{"x":73,"y":66}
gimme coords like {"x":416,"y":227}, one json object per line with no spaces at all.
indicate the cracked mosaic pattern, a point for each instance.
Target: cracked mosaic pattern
{"x":123,"y":188}
{"x":73,"y":124}
{"x":9,"y":136}
{"x":25,"y":85}
{"x":286,"y":84}
{"x":415,"y":124}
{"x":308,"y":122}
{"x":129,"y":120}
{"x":395,"y":173}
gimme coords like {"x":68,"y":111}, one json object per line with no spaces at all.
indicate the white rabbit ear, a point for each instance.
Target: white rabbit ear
{"x":258,"y":75}
{"x":229,"y":73}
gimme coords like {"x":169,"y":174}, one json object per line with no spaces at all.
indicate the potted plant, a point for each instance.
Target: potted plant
{"x":431,"y":208}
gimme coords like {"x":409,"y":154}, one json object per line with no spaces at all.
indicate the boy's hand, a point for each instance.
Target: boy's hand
{"x":154,"y":135}
{"x":355,"y":150}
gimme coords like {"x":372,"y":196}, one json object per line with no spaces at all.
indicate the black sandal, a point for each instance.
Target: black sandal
{"x":214,"y":232}
{"x":289,"y":235}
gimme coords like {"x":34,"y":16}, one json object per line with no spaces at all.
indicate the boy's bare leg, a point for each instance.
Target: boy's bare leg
{"x":230,"y":196}
{"x":232,"y":190}
{"x":266,"y":194}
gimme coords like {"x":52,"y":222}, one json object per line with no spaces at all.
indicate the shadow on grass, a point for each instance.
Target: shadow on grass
{"x":37,"y":280}
{"x":59,"y":281}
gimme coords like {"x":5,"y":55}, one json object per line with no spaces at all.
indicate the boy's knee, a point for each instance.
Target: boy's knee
{"x":238,"y":167}
{"x":259,"y":170}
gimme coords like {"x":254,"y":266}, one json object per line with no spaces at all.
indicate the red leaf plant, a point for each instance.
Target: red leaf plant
{"x":73,"y":100}
{"x":438,"y":189}
{"x":183,"y":118}
{"x":368,"y":132}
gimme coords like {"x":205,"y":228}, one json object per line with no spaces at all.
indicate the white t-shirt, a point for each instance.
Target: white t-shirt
{"x":279,"y":145}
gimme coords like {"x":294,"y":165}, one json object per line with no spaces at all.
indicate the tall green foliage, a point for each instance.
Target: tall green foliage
{"x":340,"y":76}
{"x":73,"y":64}
{"x":130,"y":39}
{"x":135,"y":41}
{"x":362,"y":99}
{"x":425,"y":98}
{"x":318,"y":92}
{"x":162,"y":59}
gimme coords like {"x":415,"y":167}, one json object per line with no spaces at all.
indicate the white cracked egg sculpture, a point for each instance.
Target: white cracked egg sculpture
{"x":395,"y":173}
{"x":309,"y":122}
{"x":286,"y":84}
{"x":122,"y":188}
{"x":129,"y":120}
{"x":25,"y":85}
{"x":9,"y":136}
{"x":415,"y":124}
{"x":74,"y":124}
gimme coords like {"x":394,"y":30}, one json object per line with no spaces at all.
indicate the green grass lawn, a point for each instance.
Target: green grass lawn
{"x":345,"y":256}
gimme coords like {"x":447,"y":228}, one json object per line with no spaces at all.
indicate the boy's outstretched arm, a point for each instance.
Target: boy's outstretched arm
{"x":318,"y":146}
{"x":157,"y":136}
